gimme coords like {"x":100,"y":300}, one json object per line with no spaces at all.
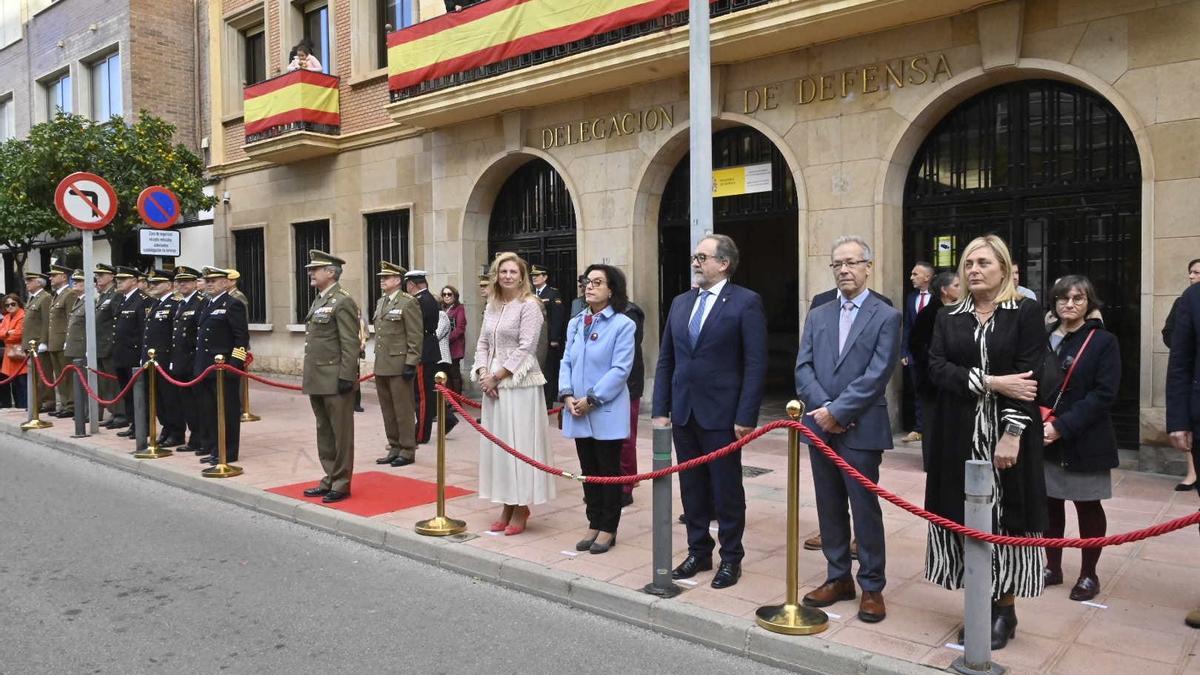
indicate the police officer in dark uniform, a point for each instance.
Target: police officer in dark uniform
{"x":183,"y":353}
{"x":127,"y":334}
{"x":221,"y":328}
{"x":107,"y":303}
{"x":160,"y":324}
{"x":556,"y":326}
{"x":416,"y":285}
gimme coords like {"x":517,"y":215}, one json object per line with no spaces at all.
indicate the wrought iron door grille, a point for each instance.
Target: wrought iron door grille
{"x":250,"y":256}
{"x":312,"y":234}
{"x":534,"y":217}
{"x":1053,"y":170}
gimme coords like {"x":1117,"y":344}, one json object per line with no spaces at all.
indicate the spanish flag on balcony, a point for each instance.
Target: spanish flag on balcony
{"x":497,"y":30}
{"x":296,"y":97}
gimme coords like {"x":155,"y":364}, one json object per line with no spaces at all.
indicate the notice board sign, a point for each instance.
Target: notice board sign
{"x":161,"y":243}
{"x":742,"y":180}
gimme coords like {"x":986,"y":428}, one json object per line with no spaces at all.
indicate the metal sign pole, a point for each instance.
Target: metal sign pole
{"x":89,"y":310}
{"x":700,"y":120}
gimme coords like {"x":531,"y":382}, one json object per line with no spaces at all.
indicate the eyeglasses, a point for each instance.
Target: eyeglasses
{"x":594,"y":283}
{"x":1072,"y":300}
{"x":839,"y":264}
{"x":702,"y":258}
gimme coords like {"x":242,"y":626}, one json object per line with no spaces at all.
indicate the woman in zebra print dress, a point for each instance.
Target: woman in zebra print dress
{"x":986,"y":354}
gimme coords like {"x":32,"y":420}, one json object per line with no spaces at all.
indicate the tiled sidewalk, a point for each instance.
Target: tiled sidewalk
{"x":1135,"y":626}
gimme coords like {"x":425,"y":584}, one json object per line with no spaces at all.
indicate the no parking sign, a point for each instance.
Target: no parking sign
{"x":158,"y":207}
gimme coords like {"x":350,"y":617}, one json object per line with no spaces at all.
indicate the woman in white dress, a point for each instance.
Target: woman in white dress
{"x":514,"y":406}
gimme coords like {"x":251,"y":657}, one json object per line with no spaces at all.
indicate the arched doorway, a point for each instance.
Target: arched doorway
{"x":1053,"y":169}
{"x":764,"y":225}
{"x":533,"y":216}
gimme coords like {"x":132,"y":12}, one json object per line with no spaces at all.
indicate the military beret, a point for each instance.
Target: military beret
{"x":387,"y":269}
{"x":185,"y":273}
{"x":322,"y":259}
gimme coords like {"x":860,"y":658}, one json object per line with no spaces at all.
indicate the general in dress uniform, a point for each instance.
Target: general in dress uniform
{"x":107,"y":302}
{"x":221,"y":329}
{"x":182,"y":365}
{"x":157,"y":335}
{"x":127,"y":334}
{"x":37,"y":328}
{"x":331,"y":347}
{"x":399,"y":333}
{"x":60,"y":311}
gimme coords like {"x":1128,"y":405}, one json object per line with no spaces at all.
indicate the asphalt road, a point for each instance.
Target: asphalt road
{"x":102,"y":571}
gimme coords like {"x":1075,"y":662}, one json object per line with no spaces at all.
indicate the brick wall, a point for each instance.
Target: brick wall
{"x":164,"y":51}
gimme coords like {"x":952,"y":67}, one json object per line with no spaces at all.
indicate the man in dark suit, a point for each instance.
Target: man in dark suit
{"x":708,"y":385}
{"x":221,"y":328}
{"x":1193,"y":269}
{"x":183,"y":353}
{"x":1183,"y":386}
{"x":831,"y":295}
{"x":416,"y":284}
{"x":920,"y":276}
{"x":556,"y":328}
{"x":127,"y":335}
{"x":848,"y":351}
{"x":157,"y":335}
{"x":946,"y":289}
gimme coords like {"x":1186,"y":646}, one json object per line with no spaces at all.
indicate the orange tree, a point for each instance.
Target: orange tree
{"x":129,"y":156}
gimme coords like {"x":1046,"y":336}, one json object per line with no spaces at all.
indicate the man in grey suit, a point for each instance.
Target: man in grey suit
{"x":847,"y":354}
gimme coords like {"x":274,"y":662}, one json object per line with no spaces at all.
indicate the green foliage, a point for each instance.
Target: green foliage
{"x":130,"y":157}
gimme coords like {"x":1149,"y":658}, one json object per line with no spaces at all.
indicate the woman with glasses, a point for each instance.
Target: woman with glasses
{"x":12,"y":327}
{"x":514,"y":403}
{"x":593,"y":388}
{"x":458,"y":334}
{"x":1081,"y":448}
{"x":984,"y":361}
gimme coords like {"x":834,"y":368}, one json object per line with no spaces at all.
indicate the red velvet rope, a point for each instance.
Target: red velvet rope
{"x":180,"y":383}
{"x":816,"y":442}
{"x":72,"y":368}
{"x":103,"y":374}
{"x":24,"y":366}
{"x":478,"y":406}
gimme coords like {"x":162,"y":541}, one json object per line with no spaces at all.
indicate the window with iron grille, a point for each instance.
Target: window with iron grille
{"x":250,"y":256}
{"x":387,"y":239}
{"x":307,"y":236}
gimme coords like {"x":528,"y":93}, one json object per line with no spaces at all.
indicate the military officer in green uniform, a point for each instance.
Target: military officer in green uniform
{"x":399,"y":332}
{"x":37,"y":329}
{"x":60,"y":312}
{"x":75,"y":345}
{"x":330,"y":373}
{"x":236,"y":292}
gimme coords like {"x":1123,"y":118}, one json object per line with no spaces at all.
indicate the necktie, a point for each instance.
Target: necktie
{"x":844,"y":324}
{"x":921,"y":302}
{"x":698,"y":317}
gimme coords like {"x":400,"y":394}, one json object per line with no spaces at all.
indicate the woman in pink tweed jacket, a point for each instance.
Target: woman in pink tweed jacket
{"x":514,"y":407}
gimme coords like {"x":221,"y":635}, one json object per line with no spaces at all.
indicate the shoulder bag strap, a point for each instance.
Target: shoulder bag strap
{"x":1071,"y":370}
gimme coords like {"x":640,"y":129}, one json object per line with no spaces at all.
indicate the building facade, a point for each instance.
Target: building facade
{"x":1069,"y":127}
{"x":100,"y":58}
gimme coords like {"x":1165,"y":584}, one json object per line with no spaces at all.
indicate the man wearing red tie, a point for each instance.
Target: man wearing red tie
{"x":921,"y":276}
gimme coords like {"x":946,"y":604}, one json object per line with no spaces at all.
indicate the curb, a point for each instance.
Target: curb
{"x":688,"y":622}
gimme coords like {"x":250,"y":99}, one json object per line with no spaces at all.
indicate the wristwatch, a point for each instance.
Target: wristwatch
{"x":1012,"y":429}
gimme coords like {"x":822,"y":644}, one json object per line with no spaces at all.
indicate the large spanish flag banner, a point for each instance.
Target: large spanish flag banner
{"x":496,"y":30}
{"x":295,"y":96}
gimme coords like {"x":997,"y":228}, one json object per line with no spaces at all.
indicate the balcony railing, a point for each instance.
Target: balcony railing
{"x":299,"y":100}
{"x":460,"y":48}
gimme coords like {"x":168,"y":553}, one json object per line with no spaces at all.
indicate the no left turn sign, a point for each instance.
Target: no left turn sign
{"x":86,"y":201}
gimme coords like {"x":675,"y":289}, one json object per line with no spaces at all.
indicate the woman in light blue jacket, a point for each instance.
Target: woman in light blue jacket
{"x":593,"y":386}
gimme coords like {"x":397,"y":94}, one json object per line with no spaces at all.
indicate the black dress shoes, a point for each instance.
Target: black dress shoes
{"x":119,"y":423}
{"x":128,"y":433}
{"x":334,"y":496}
{"x":626,"y":499}
{"x":386,"y":460}
{"x":200,"y":451}
{"x":1085,"y":589}
{"x":208,"y":459}
{"x":727,"y":575}
{"x":316,"y":492}
{"x":402,"y":461}
{"x":450,"y":424}
{"x":690,"y":566}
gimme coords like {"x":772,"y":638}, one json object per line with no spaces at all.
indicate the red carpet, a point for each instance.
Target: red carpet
{"x":375,"y":492}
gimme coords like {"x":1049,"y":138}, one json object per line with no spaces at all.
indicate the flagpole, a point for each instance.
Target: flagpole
{"x":700,"y":116}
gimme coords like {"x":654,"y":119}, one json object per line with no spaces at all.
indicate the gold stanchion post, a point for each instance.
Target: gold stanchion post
{"x":152,"y":451}
{"x":221,"y":470}
{"x":792,"y":618}
{"x":35,"y":395}
{"x":247,"y":416}
{"x":440,"y":525}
